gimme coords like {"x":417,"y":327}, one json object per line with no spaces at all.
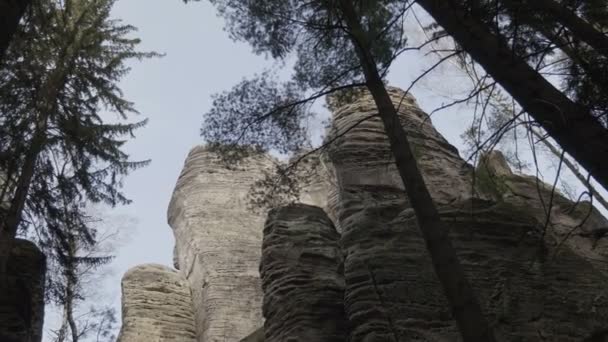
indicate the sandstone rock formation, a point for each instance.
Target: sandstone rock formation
{"x":361,"y":157}
{"x":302,"y":278}
{"x":22,"y":298}
{"x":378,"y":253}
{"x":156,"y":306}
{"x":537,"y":261}
{"x":391,"y":290}
{"x":218,"y":243}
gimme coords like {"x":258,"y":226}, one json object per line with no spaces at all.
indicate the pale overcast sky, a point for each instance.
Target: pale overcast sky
{"x":174,"y":92}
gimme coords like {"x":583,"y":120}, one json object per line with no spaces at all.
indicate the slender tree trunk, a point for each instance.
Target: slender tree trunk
{"x":70,"y":315}
{"x":570,"y":124}
{"x":575,"y":169}
{"x":62,"y":333}
{"x":11,"y":12}
{"x":11,"y":221}
{"x":465,"y":306}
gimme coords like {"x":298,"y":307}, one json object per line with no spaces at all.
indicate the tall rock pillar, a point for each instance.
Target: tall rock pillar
{"x":381,"y":258}
{"x":218,"y":243}
{"x":301,"y":270}
{"x":533,"y":284}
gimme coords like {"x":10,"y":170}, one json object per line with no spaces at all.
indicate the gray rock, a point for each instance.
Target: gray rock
{"x":156,"y":306}
{"x":360,"y":154}
{"x":22,"y":296}
{"x":301,"y":270}
{"x":538,"y":276}
{"x":218,"y":242}
{"x":392,"y":293}
{"x":578,"y":227}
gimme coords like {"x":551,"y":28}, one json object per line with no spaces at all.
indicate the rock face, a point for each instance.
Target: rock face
{"x":302,"y":278}
{"x":156,"y":306}
{"x":392,"y":293}
{"x":362,"y":157}
{"x":538,"y":262}
{"x":22,"y":300}
{"x":380,"y":259}
{"x":218,"y":241}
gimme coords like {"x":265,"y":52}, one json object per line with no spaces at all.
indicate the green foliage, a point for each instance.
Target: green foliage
{"x":312,"y":37}
{"x":59,"y":81}
{"x":60,"y":147}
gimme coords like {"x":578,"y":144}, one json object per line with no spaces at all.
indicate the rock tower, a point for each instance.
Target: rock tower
{"x":349,"y":263}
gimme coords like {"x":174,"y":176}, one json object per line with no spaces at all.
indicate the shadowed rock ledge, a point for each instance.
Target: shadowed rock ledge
{"x":302,"y":278}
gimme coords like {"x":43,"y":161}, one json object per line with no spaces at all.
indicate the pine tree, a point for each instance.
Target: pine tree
{"x":58,"y":82}
{"x":338,"y":45}
{"x":74,"y":254}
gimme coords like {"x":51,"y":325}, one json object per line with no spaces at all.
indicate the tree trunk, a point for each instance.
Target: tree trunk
{"x":9,"y":224}
{"x":11,"y":12}
{"x":465,"y":307}
{"x":570,"y":124}
{"x":525,"y":15}
{"x":12,"y":219}
{"x":581,"y":29}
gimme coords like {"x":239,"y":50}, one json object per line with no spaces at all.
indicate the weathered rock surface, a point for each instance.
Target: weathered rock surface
{"x":392,"y":293}
{"x":370,"y":198}
{"x":22,"y":297}
{"x":301,"y":270}
{"x":538,"y":262}
{"x":156,"y":306}
{"x":218,"y":241}
{"x":362,"y":157}
{"x":579,"y":227}
{"x":318,"y":185}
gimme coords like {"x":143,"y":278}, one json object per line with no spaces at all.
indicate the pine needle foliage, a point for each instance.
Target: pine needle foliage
{"x":64,"y":123}
{"x":58,"y":88}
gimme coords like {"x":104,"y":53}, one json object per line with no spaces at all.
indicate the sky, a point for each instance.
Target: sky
{"x":175,"y":91}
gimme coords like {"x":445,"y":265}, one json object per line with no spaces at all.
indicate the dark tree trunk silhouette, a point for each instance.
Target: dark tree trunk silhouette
{"x":11,"y":12}
{"x":546,"y":26}
{"x":570,"y":124}
{"x":581,"y":29}
{"x":465,"y":306}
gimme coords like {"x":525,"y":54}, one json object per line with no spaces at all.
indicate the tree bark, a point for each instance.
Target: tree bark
{"x":465,"y":306}
{"x":570,"y":124}
{"x":11,"y":12}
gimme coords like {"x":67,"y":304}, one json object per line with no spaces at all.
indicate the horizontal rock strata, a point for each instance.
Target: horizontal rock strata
{"x":360,"y":153}
{"x":301,"y":270}
{"x":218,"y":241}
{"x":392,"y":292}
{"x":156,"y":306}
